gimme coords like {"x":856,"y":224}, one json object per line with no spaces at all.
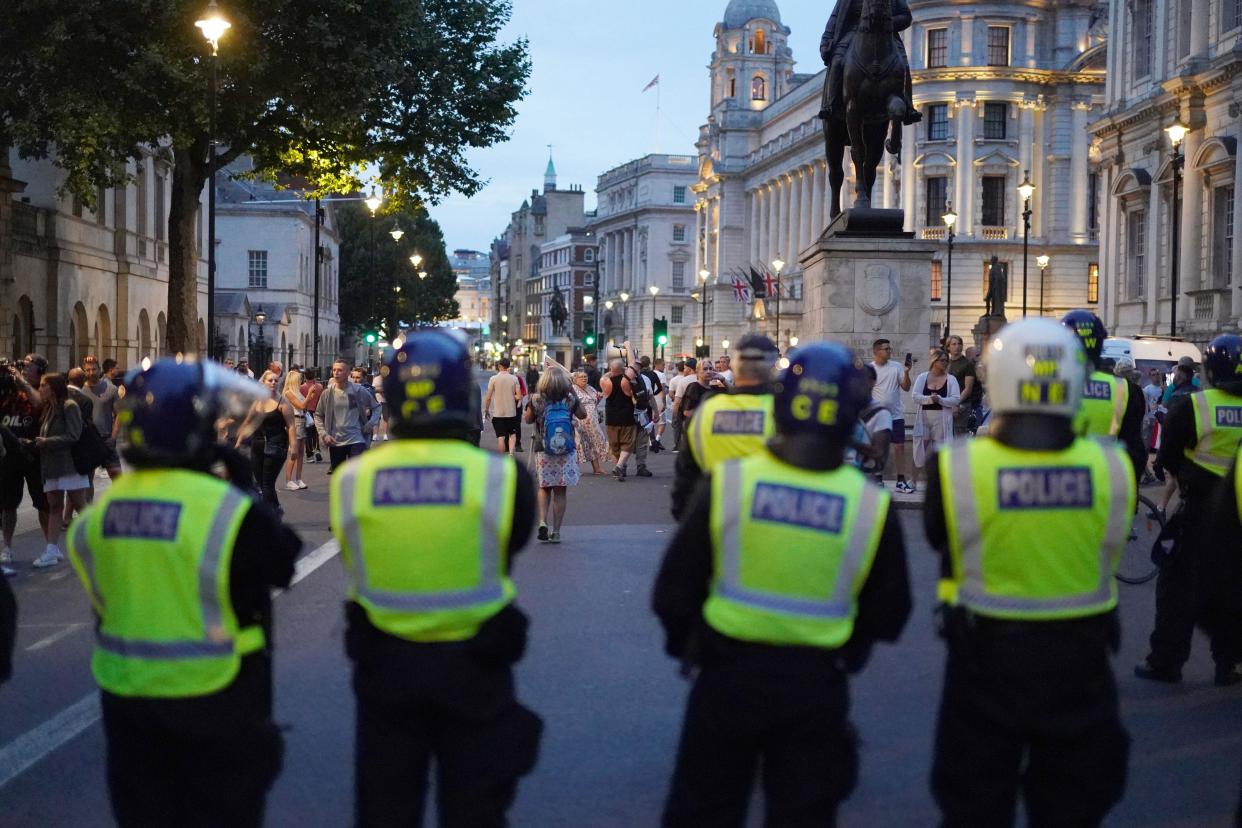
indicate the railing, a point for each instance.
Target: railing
{"x":995,"y":233}
{"x":934,"y":232}
{"x":25,"y":219}
{"x":1205,"y":306}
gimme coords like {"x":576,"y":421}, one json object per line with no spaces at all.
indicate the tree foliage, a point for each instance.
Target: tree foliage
{"x":328,"y":90}
{"x":367,"y":282}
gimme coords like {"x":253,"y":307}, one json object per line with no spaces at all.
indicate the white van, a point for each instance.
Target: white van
{"x":1159,"y":352}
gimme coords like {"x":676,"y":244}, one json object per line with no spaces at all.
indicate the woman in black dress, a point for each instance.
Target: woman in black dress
{"x":269,"y":447}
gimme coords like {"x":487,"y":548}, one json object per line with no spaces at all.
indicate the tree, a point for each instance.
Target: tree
{"x":368,"y":298}
{"x":323,"y":89}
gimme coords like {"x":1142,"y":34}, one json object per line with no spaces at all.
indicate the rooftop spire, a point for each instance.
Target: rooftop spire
{"x":549,"y":175}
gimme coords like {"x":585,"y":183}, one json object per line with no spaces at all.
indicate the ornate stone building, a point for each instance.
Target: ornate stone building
{"x":1004,"y":88}
{"x":1173,"y":59}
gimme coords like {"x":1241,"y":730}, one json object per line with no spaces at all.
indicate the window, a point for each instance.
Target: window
{"x":995,"y":117}
{"x":679,"y":195}
{"x":937,"y":193}
{"x":161,"y":213}
{"x":679,"y":232}
{"x":994,"y":201}
{"x":101,"y":212}
{"x":1230,"y":14}
{"x":1143,"y":27}
{"x":677,"y":314}
{"x":258,"y":268}
{"x":1222,"y":235}
{"x":937,"y":122}
{"x":1093,"y":283}
{"x":1093,"y":202}
{"x":679,"y":275}
{"x":937,"y":48}
{"x":935,"y":281}
{"x":1136,"y":252}
{"x":998,"y":45}
{"x":732,"y":87}
{"x":75,"y":207}
{"x":759,"y":88}
{"x":760,"y":45}
{"x":589,"y":254}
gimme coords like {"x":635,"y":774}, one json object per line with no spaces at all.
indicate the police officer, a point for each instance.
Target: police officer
{"x":1111,"y":406}
{"x":786,"y":569}
{"x":729,"y":425}
{"x":179,"y":565}
{"x":428,"y":525}
{"x":1201,"y":433}
{"x":1031,"y":522}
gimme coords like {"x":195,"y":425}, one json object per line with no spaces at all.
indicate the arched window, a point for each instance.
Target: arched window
{"x":761,"y":42}
{"x":732,"y":87}
{"x":759,"y":88}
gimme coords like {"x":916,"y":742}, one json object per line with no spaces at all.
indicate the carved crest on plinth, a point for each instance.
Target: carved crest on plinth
{"x":879,"y":294}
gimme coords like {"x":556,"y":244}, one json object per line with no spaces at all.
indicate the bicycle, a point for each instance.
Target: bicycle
{"x":1136,"y":566}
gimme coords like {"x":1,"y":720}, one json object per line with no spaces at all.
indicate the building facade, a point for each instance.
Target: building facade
{"x":265,"y":253}
{"x":645,"y":224}
{"x":75,"y":281}
{"x":472,"y":268}
{"x":1004,"y":89}
{"x":567,"y":265}
{"x":1172,"y":61}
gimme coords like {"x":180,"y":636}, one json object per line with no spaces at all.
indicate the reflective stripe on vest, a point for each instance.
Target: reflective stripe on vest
{"x":961,"y":491}
{"x":1217,"y":440}
{"x":791,"y":551}
{"x":1099,"y":417}
{"x":729,"y":427}
{"x":424,"y":529}
{"x":155,"y":553}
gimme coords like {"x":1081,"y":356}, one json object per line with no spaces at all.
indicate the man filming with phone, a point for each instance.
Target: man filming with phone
{"x":890,"y":380}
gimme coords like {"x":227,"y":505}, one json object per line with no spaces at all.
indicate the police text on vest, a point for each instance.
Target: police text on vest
{"x":806,"y":508}
{"x":417,"y":486}
{"x":146,"y":519}
{"x":1045,"y":488}
{"x":738,"y":422}
{"x":1229,"y":416}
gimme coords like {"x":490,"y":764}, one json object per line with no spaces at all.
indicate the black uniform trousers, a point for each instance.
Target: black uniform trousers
{"x":793,"y":725}
{"x":419,"y":702}
{"x":202,"y":761}
{"x":1030,"y":707}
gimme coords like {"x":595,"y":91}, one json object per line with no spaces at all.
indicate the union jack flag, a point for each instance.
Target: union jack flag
{"x":741,"y":291}
{"x":769,"y":283}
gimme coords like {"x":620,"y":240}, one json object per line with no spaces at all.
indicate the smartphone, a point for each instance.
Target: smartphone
{"x":909,"y":359}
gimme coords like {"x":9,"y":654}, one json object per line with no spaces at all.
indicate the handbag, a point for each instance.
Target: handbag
{"x":90,"y":451}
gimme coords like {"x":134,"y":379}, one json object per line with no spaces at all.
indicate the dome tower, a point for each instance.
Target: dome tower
{"x":752,"y":63}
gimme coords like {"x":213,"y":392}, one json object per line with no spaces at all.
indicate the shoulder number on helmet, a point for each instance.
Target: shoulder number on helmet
{"x":145,"y":519}
{"x":738,"y":422}
{"x":1045,"y":488}
{"x":417,"y":486}
{"x":805,"y":508}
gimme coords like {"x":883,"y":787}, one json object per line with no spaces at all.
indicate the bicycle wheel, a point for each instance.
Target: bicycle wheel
{"x":1136,"y":566}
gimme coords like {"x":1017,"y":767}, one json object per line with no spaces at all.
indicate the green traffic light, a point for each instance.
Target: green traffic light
{"x":663,"y":340}
{"x":371,"y":338}
{"x":590,"y":340}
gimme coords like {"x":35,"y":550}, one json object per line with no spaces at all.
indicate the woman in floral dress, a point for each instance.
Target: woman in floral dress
{"x":554,"y":473}
{"x":592,"y":446}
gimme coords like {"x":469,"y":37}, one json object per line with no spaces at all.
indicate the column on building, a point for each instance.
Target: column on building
{"x":765,"y":221}
{"x":808,"y":191}
{"x":1026,"y":129}
{"x":907,"y":180}
{"x":1237,"y":234}
{"x":717,"y":234}
{"x":964,"y":185}
{"x":777,"y":213}
{"x":1151,"y":279}
{"x":1039,"y":174}
{"x":756,"y":196}
{"x":1191,"y":272}
{"x":789,"y":244}
{"x":1079,"y":178}
{"x":631,"y":272}
{"x":819,"y":171}
{"x":1200,"y":26}
{"x":887,"y":192}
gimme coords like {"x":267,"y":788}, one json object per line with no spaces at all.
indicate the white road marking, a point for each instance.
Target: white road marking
{"x":28,"y":749}
{"x":54,"y":637}
{"x":33,"y":746}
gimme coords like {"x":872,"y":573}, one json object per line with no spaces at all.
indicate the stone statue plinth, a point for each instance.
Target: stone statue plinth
{"x":986,"y":328}
{"x":561,"y":349}
{"x":867,"y":279}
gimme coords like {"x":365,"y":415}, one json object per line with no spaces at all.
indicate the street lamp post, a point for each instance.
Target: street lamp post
{"x":704,"y":275}
{"x":778,"y":265}
{"x":1177,"y":133}
{"x":950,"y":221}
{"x":213,"y":26}
{"x":373,"y":203}
{"x":625,"y":315}
{"x":654,"y":290}
{"x":1026,"y":189}
{"x":1042,"y":260}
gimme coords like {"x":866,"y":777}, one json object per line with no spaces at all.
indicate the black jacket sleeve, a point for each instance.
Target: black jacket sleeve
{"x":263,"y":557}
{"x":1132,"y":430}
{"x":1178,"y":434}
{"x":934,"y":524}
{"x":8,"y":628}
{"x":686,"y":477}
{"x":682,"y":584}
{"x":523,"y":512}
{"x":884,"y":604}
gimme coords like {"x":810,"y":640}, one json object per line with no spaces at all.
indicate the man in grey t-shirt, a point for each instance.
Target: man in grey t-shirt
{"x":104,"y":397}
{"x":344,"y":410}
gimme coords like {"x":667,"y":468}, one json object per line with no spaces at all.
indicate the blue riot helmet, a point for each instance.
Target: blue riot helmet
{"x":820,"y":394}
{"x":1222,"y":363}
{"x":427,"y":381}
{"x":1090,"y":331}
{"x":173,"y":409}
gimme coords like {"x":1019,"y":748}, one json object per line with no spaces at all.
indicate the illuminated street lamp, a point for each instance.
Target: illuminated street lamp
{"x":416,"y":260}
{"x":1026,"y":189}
{"x":213,"y":26}
{"x":778,"y":264}
{"x":950,"y":221}
{"x":396,"y":232}
{"x":373,"y":201}
{"x":725,"y":343}
{"x":1042,"y":260}
{"x":1177,"y":133}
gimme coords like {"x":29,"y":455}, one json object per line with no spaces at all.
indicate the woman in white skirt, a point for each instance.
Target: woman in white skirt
{"x":937,"y":395}
{"x":59,"y":429}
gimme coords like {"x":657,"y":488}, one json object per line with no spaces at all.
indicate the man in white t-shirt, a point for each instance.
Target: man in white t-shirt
{"x":890,"y":380}
{"x":677,"y":387}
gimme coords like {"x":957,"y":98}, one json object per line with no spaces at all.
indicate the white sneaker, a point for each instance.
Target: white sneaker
{"x":50,"y":557}
{"x":8,"y":571}
{"x":291,"y":486}
{"x":302,"y":484}
{"x":6,"y":555}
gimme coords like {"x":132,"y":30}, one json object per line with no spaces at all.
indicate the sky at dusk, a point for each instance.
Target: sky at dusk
{"x":590,"y":61}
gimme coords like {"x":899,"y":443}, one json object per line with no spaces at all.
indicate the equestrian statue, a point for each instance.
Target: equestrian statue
{"x":867,"y":93}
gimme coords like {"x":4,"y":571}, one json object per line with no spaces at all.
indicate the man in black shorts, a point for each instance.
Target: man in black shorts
{"x":500,"y":403}
{"x":19,"y":423}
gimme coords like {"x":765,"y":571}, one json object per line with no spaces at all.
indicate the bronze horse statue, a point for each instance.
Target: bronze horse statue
{"x":874,"y":89}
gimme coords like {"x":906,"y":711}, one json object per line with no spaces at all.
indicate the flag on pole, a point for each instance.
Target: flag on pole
{"x":756,"y":285}
{"x":549,"y":363}
{"x":654,"y":82}
{"x":741,"y":291}
{"x":769,"y":282}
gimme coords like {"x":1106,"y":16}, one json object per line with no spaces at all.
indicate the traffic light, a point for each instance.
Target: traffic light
{"x":370,"y":337}
{"x":660,"y":329}
{"x":588,"y":335}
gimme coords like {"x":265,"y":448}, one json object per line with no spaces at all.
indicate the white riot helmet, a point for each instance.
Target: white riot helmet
{"x":1035,"y":366}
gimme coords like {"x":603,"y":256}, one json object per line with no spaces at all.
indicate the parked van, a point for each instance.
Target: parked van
{"x":1161,"y":353}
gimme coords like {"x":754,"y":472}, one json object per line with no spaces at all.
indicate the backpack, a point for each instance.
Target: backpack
{"x":558,"y":430}
{"x":642,"y":399}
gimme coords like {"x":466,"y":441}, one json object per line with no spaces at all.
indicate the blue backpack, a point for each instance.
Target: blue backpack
{"x":558,"y":430}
